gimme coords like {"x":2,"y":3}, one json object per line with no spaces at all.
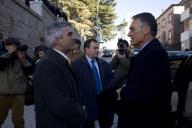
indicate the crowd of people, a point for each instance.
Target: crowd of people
{"x":75,"y":88}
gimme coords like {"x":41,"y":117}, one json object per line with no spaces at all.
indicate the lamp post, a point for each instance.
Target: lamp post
{"x":97,"y":18}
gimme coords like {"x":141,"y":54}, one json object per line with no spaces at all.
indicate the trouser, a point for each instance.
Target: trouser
{"x":89,"y":124}
{"x":16,"y":103}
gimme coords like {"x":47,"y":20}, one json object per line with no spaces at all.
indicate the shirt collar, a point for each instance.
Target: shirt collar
{"x":61,"y":53}
{"x":88,"y":58}
{"x":145,"y":44}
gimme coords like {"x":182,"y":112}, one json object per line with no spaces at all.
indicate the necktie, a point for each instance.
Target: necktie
{"x":97,"y":78}
{"x":69,"y":61}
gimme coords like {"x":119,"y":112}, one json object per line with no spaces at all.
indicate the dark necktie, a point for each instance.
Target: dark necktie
{"x":97,"y":78}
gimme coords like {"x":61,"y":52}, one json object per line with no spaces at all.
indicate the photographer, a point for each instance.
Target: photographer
{"x":120,"y":62}
{"x":13,"y":65}
{"x":2,"y":46}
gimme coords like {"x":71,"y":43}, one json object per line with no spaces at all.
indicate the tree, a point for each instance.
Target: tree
{"x":82,"y":15}
{"x":106,"y":18}
{"x":78,"y":14}
{"x":121,"y":27}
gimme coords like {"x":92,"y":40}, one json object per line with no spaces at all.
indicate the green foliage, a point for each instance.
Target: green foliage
{"x":82,"y":15}
{"x":122,"y":25}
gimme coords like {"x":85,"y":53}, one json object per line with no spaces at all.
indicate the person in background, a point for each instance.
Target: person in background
{"x":39,"y":53}
{"x":76,"y":53}
{"x":94,"y":74}
{"x":121,"y":61}
{"x":13,"y":66}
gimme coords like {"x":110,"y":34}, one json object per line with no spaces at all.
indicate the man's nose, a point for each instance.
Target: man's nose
{"x":129,"y":34}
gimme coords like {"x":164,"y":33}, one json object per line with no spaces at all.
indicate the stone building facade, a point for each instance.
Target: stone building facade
{"x":169,"y":27}
{"x":186,"y":20}
{"x":28,"y":23}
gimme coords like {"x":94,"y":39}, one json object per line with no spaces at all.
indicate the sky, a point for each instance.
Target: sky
{"x":127,"y":8}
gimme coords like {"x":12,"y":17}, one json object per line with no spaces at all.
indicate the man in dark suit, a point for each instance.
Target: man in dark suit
{"x":145,"y":100}
{"x":94,"y":74}
{"x":57,"y":99}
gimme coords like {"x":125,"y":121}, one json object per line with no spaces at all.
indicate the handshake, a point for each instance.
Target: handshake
{"x":110,"y":96}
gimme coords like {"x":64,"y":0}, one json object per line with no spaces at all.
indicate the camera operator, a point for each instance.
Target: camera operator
{"x":120,"y":62}
{"x":13,"y":65}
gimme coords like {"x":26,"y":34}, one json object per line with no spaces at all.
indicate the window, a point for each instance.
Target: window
{"x":158,"y":26}
{"x":170,"y":34}
{"x":170,"y":17}
{"x":163,"y":23}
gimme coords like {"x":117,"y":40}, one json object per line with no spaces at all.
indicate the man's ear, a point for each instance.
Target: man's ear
{"x":85,"y":50}
{"x":58,"y":41}
{"x":146,"y":30}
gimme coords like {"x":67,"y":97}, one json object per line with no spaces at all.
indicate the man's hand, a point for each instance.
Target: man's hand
{"x":11,"y":49}
{"x":118,"y":91}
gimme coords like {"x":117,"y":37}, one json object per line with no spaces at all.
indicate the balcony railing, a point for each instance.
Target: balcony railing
{"x":186,"y":14}
{"x":186,"y":35}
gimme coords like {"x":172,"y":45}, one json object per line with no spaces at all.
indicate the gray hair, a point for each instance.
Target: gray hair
{"x":54,"y":32}
{"x":148,"y":19}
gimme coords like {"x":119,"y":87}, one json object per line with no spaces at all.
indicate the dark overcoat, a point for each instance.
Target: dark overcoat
{"x":57,"y":99}
{"x":146,"y":98}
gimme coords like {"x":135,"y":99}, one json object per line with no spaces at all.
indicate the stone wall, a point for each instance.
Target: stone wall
{"x":18,"y":20}
{"x":24,"y":22}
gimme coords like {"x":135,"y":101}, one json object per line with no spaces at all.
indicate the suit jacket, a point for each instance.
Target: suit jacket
{"x":146,"y":97}
{"x":57,"y":94}
{"x":88,"y":87}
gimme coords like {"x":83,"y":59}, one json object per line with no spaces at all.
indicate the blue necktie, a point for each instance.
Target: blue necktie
{"x":97,"y":78}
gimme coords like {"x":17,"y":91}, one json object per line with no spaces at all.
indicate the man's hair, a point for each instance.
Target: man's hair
{"x":147,"y":19}
{"x":88,"y":42}
{"x":121,"y":41}
{"x":53,"y":32}
{"x":12,"y":40}
{"x":77,"y":41}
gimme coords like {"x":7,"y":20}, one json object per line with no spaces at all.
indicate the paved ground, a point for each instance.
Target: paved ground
{"x":29,"y":116}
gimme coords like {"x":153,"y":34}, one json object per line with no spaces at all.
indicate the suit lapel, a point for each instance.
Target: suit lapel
{"x":139,"y":57}
{"x":137,"y":60}
{"x":86,"y":63}
{"x":100,"y":66}
{"x":65,"y":63}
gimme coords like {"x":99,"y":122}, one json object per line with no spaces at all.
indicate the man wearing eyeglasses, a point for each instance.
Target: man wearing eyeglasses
{"x":57,"y":99}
